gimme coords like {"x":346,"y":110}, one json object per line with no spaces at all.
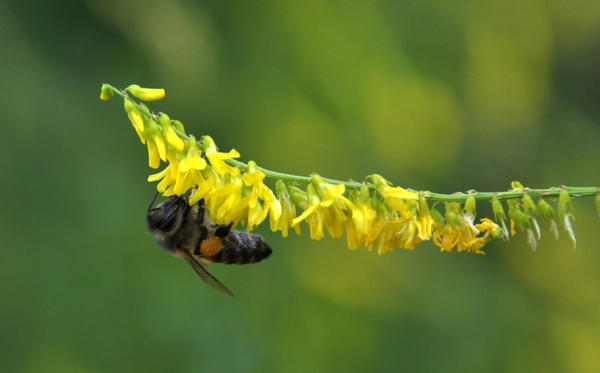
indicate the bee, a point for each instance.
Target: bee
{"x":188,"y":232}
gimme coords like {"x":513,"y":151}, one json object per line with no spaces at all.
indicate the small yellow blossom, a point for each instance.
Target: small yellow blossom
{"x":424,"y":220}
{"x":146,"y":94}
{"x":206,"y":182}
{"x":333,"y":205}
{"x":226,"y":203}
{"x":288,"y":210}
{"x":216,"y":158}
{"x":157,"y":150}
{"x":153,"y":157}
{"x":458,"y":232}
{"x":193,"y":159}
{"x":364,"y":227}
{"x":169,"y":133}
{"x":313,"y":213}
{"x":387,"y":237}
{"x":257,"y":212}
{"x":135,"y":118}
{"x":407,"y":236}
{"x":167,"y":177}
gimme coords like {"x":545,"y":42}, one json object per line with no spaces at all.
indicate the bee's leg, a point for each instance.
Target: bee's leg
{"x":203,"y":235}
{"x":223,"y":230}
{"x":153,"y":200}
{"x":201,"y":211}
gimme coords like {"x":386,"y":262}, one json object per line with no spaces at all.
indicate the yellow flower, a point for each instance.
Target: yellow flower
{"x":206,"y":182}
{"x":257,"y":212}
{"x":135,"y":118}
{"x":387,"y":237}
{"x":188,"y":168}
{"x":396,"y":197}
{"x":226,"y":203}
{"x":424,"y":221}
{"x":407,"y":237}
{"x":491,"y":231}
{"x":216,"y":158}
{"x":313,"y":213}
{"x":458,"y":231}
{"x":446,"y":237}
{"x":275,"y":212}
{"x":377,"y":224}
{"x":333,"y":205}
{"x":146,"y":94}
{"x":169,"y":133}
{"x":364,"y":226}
{"x":153,"y":156}
{"x":157,"y":150}
{"x":486,"y":225}
{"x":185,"y":181}
{"x":288,"y":210}
{"x":168,"y":176}
{"x":193,"y":158}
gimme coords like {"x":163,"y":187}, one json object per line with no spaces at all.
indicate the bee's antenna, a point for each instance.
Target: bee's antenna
{"x":153,"y":200}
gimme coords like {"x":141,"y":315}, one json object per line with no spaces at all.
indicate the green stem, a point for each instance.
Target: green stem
{"x":430,"y":196}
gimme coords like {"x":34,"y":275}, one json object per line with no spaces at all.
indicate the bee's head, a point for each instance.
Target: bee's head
{"x":165,"y":215}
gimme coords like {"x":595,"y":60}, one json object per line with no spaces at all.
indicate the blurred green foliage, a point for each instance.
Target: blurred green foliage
{"x":435,"y":95}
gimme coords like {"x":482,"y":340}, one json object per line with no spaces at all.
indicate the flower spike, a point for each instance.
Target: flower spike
{"x":371,"y":213}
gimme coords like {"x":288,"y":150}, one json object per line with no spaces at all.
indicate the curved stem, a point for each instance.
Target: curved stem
{"x":430,"y":196}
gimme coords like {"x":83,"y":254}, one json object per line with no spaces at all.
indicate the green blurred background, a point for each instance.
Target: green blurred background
{"x":437,"y":95}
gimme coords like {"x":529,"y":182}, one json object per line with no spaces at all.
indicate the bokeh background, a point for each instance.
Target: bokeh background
{"x":439,"y":95}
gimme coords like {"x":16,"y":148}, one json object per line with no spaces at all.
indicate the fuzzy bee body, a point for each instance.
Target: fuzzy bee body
{"x":188,"y":232}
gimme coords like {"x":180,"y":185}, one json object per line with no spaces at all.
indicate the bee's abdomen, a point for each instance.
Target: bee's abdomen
{"x":242,"y":248}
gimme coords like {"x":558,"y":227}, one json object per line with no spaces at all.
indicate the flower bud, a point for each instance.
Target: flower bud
{"x":437,"y":217}
{"x":565,"y":206}
{"x":146,"y":94}
{"x":106,"y":93}
{"x":298,"y":196}
{"x":177,"y":124}
{"x":529,"y":205}
{"x":520,"y":218}
{"x":565,"y":214}
{"x":545,"y":209}
{"x":453,"y":216}
{"x":498,"y":209}
{"x":516,"y":185}
{"x":281,"y":189}
{"x":470,"y":206}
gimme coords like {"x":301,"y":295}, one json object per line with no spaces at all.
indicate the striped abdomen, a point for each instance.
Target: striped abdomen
{"x":241,"y":248}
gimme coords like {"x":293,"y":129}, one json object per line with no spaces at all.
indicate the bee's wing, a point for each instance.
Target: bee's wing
{"x":205,"y":276}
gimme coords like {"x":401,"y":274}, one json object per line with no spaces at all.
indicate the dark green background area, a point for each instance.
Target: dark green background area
{"x":438,"y":95}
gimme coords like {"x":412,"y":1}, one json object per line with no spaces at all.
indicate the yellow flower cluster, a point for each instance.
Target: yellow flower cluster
{"x":372,"y":214}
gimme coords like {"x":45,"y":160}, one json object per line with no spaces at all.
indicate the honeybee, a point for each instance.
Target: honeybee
{"x":189,"y":233}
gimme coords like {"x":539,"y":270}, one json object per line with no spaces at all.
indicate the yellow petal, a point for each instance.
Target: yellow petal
{"x":153,"y":156}
{"x":304,"y":214}
{"x":159,"y":175}
{"x":192,"y":163}
{"x":160,"y":145}
{"x":172,"y":138}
